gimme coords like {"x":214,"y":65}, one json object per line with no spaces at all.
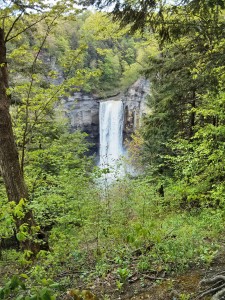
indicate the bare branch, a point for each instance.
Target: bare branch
{"x":12,"y":26}
{"x":26,"y":28}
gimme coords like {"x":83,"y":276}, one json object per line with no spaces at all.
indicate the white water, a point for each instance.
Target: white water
{"x":111,"y":135}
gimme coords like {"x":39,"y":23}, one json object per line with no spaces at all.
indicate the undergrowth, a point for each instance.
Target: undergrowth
{"x":113,"y":237}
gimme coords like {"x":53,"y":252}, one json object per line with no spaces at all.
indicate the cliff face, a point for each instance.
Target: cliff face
{"x":83,"y":110}
{"x":134,"y":105}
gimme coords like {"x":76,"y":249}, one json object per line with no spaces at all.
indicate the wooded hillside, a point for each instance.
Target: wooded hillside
{"x":62,"y":234}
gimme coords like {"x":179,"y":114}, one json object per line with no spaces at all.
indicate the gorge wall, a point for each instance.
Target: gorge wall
{"x":82,"y":109}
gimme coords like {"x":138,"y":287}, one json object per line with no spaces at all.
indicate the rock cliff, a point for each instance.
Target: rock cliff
{"x":82,"y":109}
{"x":134,"y":100}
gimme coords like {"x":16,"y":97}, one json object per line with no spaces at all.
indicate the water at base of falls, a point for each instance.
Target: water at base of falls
{"x":111,"y":119}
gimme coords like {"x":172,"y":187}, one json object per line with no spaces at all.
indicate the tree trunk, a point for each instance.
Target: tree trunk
{"x":9,"y":158}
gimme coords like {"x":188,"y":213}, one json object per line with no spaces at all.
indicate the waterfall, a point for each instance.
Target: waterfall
{"x":111,"y":133}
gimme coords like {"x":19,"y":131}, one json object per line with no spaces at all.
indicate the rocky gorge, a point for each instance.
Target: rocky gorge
{"x":82,"y":110}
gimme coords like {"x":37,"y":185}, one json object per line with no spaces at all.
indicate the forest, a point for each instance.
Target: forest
{"x":66,"y":232}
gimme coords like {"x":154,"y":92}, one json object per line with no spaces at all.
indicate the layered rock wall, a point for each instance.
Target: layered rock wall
{"x":82,"y":109}
{"x":134,"y":100}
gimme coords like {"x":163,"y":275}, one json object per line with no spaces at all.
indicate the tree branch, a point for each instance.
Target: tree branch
{"x":30,"y":88}
{"x":13,"y":24}
{"x":28,"y":27}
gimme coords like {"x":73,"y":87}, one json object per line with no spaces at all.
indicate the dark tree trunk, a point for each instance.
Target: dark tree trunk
{"x":9,"y":158}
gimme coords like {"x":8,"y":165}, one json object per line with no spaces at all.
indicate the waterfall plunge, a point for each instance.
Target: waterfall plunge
{"x":111,"y":134}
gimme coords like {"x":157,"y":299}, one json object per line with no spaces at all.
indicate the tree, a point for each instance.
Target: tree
{"x":9,"y":158}
{"x":182,"y":73}
{"x":15,"y":20}
{"x":185,"y":131}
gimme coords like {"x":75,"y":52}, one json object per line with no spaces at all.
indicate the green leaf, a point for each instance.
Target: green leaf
{"x":24,"y":276}
{"x":45,"y":295}
{"x":21,"y":236}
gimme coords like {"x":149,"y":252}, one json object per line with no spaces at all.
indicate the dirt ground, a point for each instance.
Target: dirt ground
{"x":161,"y":286}
{"x":182,"y":287}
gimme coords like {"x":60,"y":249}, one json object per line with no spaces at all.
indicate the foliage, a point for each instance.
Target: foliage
{"x":16,"y":288}
{"x":149,"y":224}
{"x":151,"y":234}
{"x":183,"y":131}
